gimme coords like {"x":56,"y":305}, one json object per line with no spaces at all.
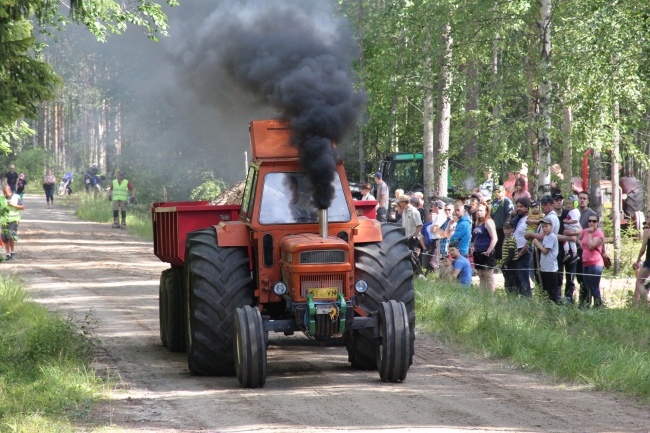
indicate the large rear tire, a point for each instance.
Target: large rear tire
{"x":218,"y":281}
{"x":386,"y":267}
{"x":162,"y":306}
{"x":393,"y":356}
{"x":249,"y":347}
{"x":175,"y":332}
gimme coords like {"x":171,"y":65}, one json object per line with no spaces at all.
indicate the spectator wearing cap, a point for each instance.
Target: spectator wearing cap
{"x":418,"y":204}
{"x":509,"y":259}
{"x":548,"y":247}
{"x":463,"y":232}
{"x":119,"y":193}
{"x":365,"y":192}
{"x":412,"y":224}
{"x":446,"y":229}
{"x":382,"y":198}
{"x":501,"y":209}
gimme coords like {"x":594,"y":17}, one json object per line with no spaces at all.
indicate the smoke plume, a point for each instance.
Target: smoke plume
{"x":292,"y":55}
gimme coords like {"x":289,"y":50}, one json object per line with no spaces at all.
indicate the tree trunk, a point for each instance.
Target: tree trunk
{"x":393,"y":139}
{"x":531,"y":132}
{"x":471,"y":107}
{"x":427,"y":134}
{"x":46,"y":126}
{"x":616,"y":198}
{"x":567,"y":169}
{"x":496,"y":109}
{"x":443,"y":117}
{"x":362,"y":156}
{"x":595,"y":197}
{"x":544,"y":132}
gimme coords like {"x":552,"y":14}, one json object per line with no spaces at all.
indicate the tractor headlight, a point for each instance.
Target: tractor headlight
{"x":280,"y":288}
{"x":361,"y":286}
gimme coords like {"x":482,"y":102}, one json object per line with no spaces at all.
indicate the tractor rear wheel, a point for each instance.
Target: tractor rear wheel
{"x":175,"y":332}
{"x":386,"y":267}
{"x":218,"y":281}
{"x":162,"y":306}
{"x":394,"y":353}
{"x":250,"y":347}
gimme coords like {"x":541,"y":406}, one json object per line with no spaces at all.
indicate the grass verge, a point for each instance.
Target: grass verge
{"x":45,"y":379}
{"x":607,"y":349}
{"x":138,"y":217}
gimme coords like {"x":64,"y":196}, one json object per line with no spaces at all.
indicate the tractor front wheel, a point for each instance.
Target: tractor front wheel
{"x":250,"y":347}
{"x":394,"y":353}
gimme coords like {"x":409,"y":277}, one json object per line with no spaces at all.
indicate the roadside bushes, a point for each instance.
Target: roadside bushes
{"x":45,"y":380}
{"x":605,"y":348}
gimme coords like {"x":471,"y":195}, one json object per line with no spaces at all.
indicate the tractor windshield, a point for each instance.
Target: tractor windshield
{"x":286,"y":199}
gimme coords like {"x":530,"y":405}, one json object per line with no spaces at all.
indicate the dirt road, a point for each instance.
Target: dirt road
{"x":76,"y":266}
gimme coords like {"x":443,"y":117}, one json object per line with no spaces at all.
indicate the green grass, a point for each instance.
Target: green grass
{"x":606,"y":349}
{"x":45,"y":379}
{"x":138,"y":217}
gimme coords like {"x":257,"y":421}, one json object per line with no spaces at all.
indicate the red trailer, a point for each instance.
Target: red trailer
{"x":171,"y":221}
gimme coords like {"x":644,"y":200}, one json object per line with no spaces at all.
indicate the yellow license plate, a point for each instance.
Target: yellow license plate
{"x":324,"y":293}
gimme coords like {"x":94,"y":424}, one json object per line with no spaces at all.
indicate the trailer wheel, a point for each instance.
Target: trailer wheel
{"x":175,"y":331}
{"x":218,"y":281}
{"x":386,"y":267}
{"x":393,"y":355}
{"x":162,"y":306}
{"x":249,"y":347}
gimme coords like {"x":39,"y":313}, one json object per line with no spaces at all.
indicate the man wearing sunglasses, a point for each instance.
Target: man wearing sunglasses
{"x":443,"y":232}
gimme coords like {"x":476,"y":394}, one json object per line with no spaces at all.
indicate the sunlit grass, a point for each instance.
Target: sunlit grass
{"x":138,"y":218}
{"x":607,"y":349}
{"x":45,"y":379}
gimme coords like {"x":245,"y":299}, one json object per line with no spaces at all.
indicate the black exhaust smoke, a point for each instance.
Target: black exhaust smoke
{"x":292,"y":55}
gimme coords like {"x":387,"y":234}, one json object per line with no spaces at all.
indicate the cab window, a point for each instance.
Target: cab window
{"x":249,"y":194}
{"x":287,"y":199}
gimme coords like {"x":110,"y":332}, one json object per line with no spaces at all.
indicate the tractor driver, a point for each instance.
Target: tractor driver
{"x":300,"y":205}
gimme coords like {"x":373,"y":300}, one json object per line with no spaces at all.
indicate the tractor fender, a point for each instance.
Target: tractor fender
{"x":232,"y":234}
{"x":368,"y":230}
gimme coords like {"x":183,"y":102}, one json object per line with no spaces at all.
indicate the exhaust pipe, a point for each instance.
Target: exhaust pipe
{"x":322,"y":223}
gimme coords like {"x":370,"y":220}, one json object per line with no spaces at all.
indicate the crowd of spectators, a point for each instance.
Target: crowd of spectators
{"x":549,"y":244}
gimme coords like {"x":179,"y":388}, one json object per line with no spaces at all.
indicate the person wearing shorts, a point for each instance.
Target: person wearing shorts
{"x":10,"y":224}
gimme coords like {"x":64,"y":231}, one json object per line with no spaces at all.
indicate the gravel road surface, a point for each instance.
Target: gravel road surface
{"x":76,"y":266}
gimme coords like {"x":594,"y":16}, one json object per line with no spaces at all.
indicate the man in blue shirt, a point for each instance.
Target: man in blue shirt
{"x":462,"y":267}
{"x":463,"y":233}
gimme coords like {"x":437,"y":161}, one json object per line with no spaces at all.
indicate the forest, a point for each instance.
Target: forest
{"x":472,"y":84}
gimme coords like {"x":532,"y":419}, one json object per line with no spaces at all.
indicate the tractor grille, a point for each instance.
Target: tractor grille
{"x":319,"y":281}
{"x":319,"y":257}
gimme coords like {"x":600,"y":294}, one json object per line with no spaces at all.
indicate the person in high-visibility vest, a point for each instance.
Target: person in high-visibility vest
{"x":10,"y":220}
{"x":119,"y":193}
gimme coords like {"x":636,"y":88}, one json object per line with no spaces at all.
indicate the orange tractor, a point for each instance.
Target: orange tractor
{"x":276,"y":263}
